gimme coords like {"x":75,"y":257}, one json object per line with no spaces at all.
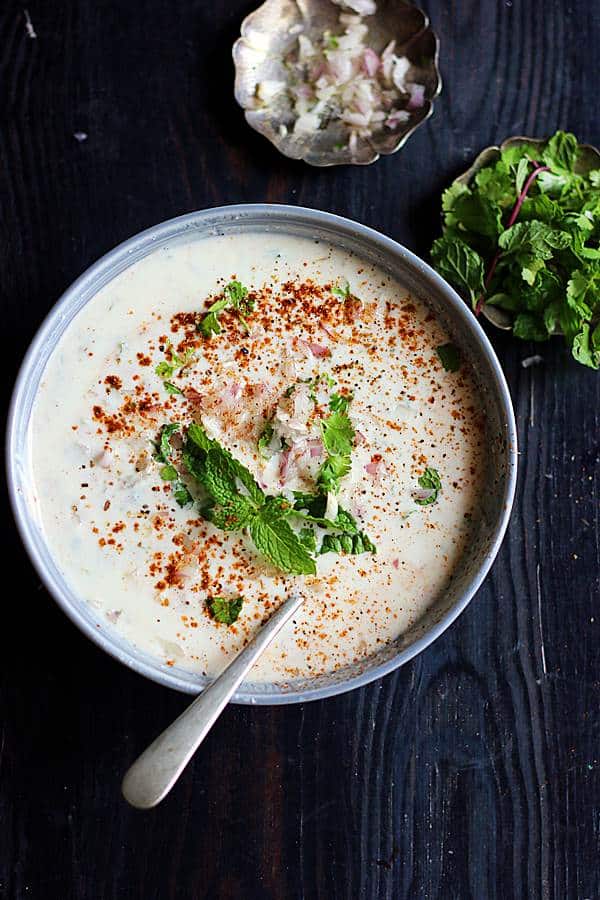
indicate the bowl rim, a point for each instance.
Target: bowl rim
{"x":155,"y":236}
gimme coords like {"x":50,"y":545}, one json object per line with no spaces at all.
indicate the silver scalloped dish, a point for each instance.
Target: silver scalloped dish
{"x":268,"y":36}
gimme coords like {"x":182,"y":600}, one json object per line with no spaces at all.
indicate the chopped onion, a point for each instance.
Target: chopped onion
{"x":340,"y":78}
{"x":371,"y":62}
{"x":332,"y":506}
{"x":417,"y":96}
{"x":318,"y":350}
{"x":362,"y":7}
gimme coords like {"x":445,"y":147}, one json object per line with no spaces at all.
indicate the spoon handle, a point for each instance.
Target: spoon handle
{"x":154,"y":773}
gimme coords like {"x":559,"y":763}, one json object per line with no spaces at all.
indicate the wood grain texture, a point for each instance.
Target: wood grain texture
{"x":474,"y":772}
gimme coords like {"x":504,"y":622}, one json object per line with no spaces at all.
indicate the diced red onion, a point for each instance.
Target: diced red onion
{"x":371,"y":62}
{"x":417,"y":96}
{"x":318,"y":350}
{"x":423,"y":494}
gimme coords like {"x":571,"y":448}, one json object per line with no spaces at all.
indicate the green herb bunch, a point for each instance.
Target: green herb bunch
{"x":232,"y":500}
{"x":525,"y":237}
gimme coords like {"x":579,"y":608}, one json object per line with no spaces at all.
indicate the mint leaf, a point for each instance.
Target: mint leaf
{"x":460,"y":265}
{"x":224,"y":610}
{"x":535,"y":238}
{"x":221,"y":476}
{"x":429,"y":481}
{"x":521,"y":176}
{"x":234,"y":494}
{"x":530,"y":327}
{"x":346,"y":537}
{"x":312,"y":507}
{"x":168,"y":472}
{"x":233,"y":515}
{"x":560,"y":153}
{"x":344,"y":544}
{"x":586,"y":347}
{"x":197,"y":435}
{"x":275,"y":539}
{"x":172,"y":388}
{"x":478,"y":214}
{"x":583,"y":290}
{"x":307,"y":538}
{"x":236,"y":501}
{"x":544,"y":267}
{"x":449,"y":357}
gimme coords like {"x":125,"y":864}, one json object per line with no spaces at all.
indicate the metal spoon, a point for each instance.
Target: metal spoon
{"x":154,"y":773}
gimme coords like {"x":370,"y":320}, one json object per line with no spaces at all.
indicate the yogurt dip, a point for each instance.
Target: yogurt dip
{"x":333,"y":405}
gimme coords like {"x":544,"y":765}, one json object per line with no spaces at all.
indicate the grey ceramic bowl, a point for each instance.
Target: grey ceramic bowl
{"x":420,"y":279}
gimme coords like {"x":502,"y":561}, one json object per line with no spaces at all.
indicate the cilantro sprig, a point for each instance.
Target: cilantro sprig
{"x":340,"y":402}
{"x":225,"y":610}
{"x":525,"y":236}
{"x":163,"y":453}
{"x":166,"y":369}
{"x":429,"y":481}
{"x":235,"y":295}
{"x":337,"y":434}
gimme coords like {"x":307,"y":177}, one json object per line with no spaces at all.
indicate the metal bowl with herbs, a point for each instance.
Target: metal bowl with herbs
{"x":521,"y":240}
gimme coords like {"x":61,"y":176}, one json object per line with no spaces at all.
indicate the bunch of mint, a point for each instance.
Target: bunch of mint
{"x":233,"y":501}
{"x":524,"y":236}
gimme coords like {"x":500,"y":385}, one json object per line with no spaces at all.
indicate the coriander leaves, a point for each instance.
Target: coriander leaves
{"x":224,"y":610}
{"x":340,"y":402}
{"x":430,"y":485}
{"x":265,"y":438}
{"x":449,"y":356}
{"x":337,"y":434}
{"x":163,"y":452}
{"x":235,"y":296}
{"x":166,"y":369}
{"x":531,"y":222}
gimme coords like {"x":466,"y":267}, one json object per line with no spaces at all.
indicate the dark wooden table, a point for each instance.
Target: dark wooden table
{"x":473,"y":772}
